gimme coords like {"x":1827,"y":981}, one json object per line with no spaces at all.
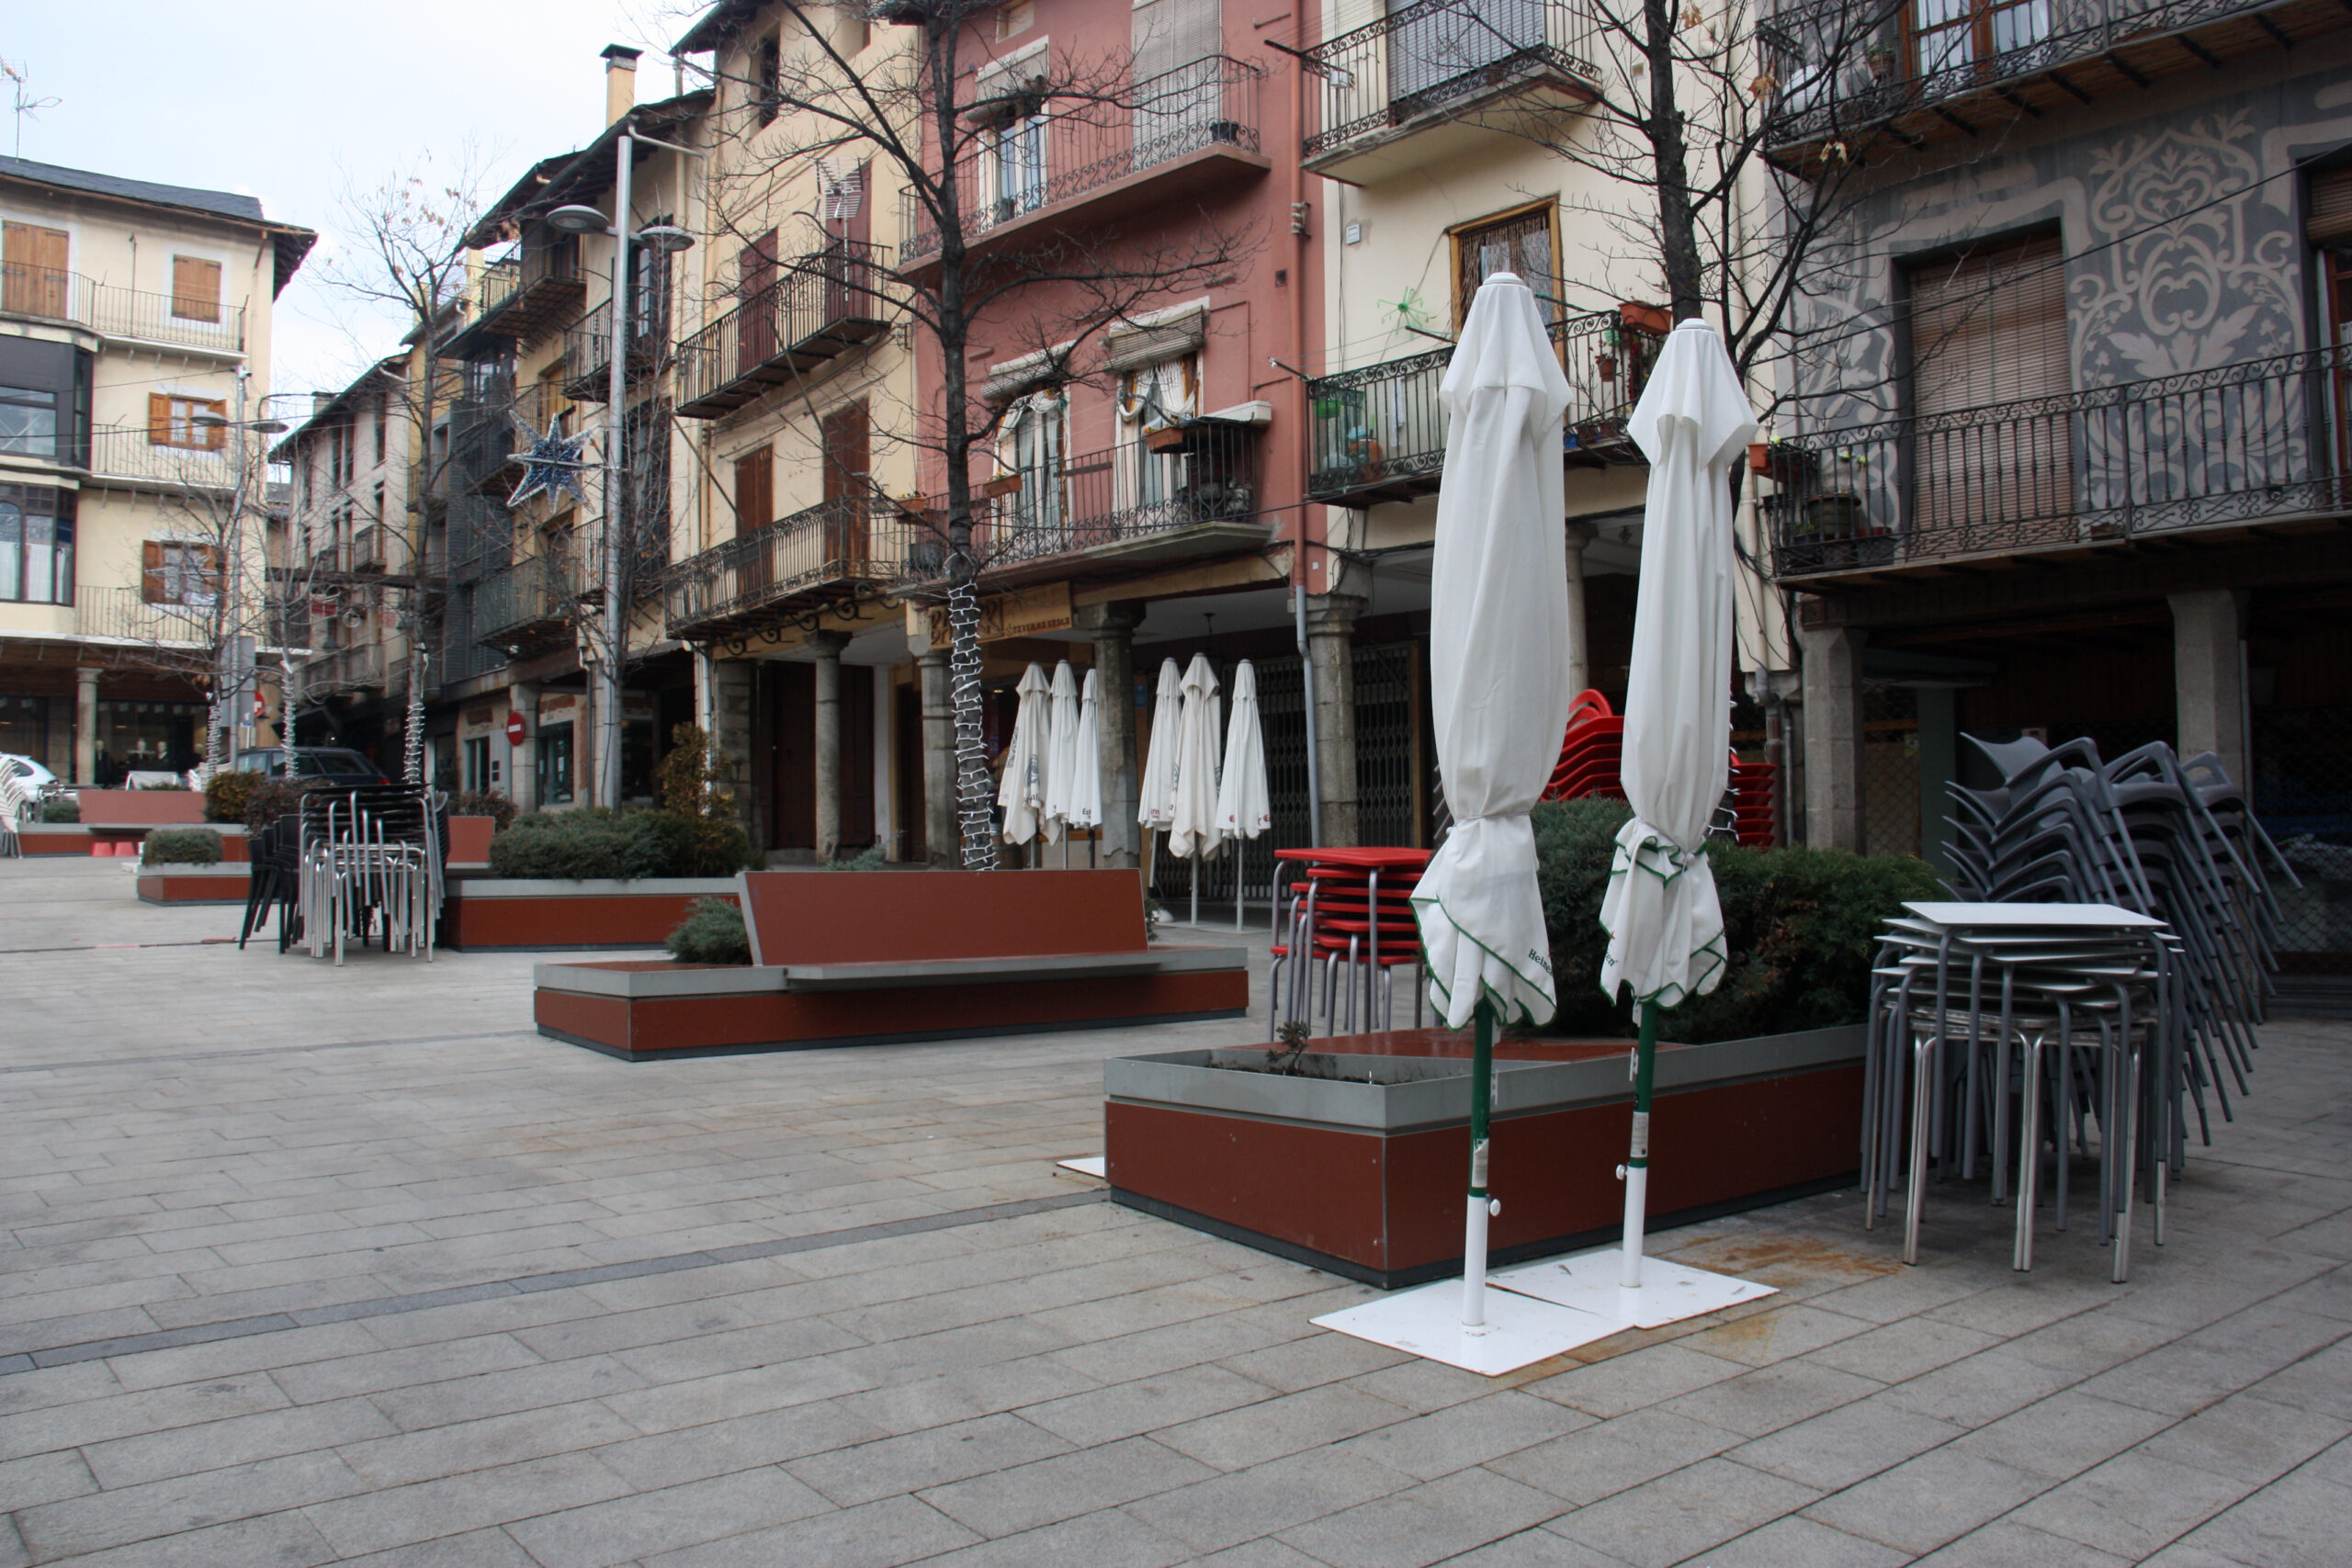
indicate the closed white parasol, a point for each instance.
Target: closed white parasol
{"x":1061,"y":751}
{"x":1086,"y":760}
{"x":1022,"y":790}
{"x":1156,"y":791}
{"x":1666,"y":928}
{"x":1242,"y":811}
{"x":1192,"y":831}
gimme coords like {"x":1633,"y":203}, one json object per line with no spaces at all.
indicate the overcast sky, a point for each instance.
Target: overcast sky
{"x":295,"y":101}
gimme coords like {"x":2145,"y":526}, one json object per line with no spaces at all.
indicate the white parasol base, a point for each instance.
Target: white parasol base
{"x":1096,"y":1166}
{"x":1668,"y":1292}
{"x":1519,"y":1330}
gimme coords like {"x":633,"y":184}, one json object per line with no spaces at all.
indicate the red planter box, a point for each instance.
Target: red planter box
{"x":1367,"y":1179}
{"x":193,"y":884}
{"x":498,"y":912}
{"x":141,"y":808}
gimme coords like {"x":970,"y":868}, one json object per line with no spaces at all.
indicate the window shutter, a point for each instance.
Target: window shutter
{"x":159,"y":420}
{"x":2329,"y":220}
{"x":152,"y":586}
{"x":211,"y":438}
{"x":755,"y":490}
{"x":196,"y":288}
{"x":1132,"y":348}
{"x":1988,"y":331}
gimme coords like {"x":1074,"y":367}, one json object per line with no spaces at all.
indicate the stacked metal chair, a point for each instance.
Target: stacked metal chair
{"x":15,"y":807}
{"x":365,"y":854}
{"x":2145,"y":962}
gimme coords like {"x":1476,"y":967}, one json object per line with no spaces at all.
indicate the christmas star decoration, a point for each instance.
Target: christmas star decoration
{"x":551,"y":463}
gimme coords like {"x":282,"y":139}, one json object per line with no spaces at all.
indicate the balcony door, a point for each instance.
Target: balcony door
{"x":1156,"y":484}
{"x":1031,"y":450}
{"x":33,"y":261}
{"x":1177,"y":77}
{"x":1992,"y":438}
{"x":1443,"y":50}
{"x":849,"y":236}
{"x":2327,"y":224}
{"x":848,"y":438}
{"x":1955,"y":35}
{"x":754,"y":510}
{"x":755,"y":274}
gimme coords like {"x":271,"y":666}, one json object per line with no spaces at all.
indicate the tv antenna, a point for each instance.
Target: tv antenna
{"x":20,"y":87}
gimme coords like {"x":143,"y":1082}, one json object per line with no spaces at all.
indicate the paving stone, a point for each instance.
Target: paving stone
{"x":1776,"y":1334}
{"x":1925,"y":1502}
{"x":402,"y":1515}
{"x":1612,"y":1456}
{"x":1022,"y":1498}
{"x":645,"y":1523}
{"x":877,"y":1535}
{"x":2004,"y":1545}
{"x":1903,"y":1349}
{"x":238,"y":1439}
{"x":1471,"y":1433}
{"x":1094,"y":1540}
{"x":1680,"y":1515}
{"x":1230,"y":1509}
{"x":2132,"y":1505}
{"x":1267,"y":1553}
{"x":2297,"y":1522}
{"x":273,"y":1540}
{"x":1428,"y":1523}
{"x":1648,"y":1376}
{"x":181,"y":1503}
{"x":534,"y":1387}
{"x":933,"y":1458}
{"x":1771,"y":1397}
{"x":1148,"y":1404}
{"x":1980,"y":1388}
{"x":741,"y":1442}
{"x":475,"y":1548}
{"x":1311,"y":1419}
{"x":2062,"y":1435}
{"x":129,"y":1414}
{"x":2248,"y":1438}
{"x":1796,"y":1542}
{"x":494,"y":1440}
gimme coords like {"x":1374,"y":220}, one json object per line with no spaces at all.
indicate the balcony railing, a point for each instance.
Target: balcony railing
{"x":2264,"y":440}
{"x":588,"y":351}
{"x":1129,"y":495}
{"x":1845,"y":66}
{"x":532,"y":292}
{"x":364,"y":666}
{"x":734,"y":586}
{"x":126,"y":614}
{"x":135,"y":456}
{"x":825,"y":305}
{"x":1047,"y":154}
{"x":114,"y":312}
{"x":1434,"y":58}
{"x":1379,"y":432}
{"x":529,"y":605}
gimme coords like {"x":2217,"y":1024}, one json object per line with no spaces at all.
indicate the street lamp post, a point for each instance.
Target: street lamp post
{"x":669,"y":239}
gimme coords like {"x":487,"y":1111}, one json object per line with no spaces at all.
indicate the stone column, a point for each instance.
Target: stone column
{"x":1113,"y":627}
{"x":828,"y":647}
{"x":522,"y":760}
{"x":1833,"y":737}
{"x":85,"y":725}
{"x":729,"y":706}
{"x":1330,"y":650}
{"x":941,"y":846}
{"x":2209,"y":687}
{"x":1580,"y":648}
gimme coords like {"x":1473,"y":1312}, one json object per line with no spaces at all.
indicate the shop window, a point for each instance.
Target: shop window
{"x":555,"y":764}
{"x":36,"y":545}
{"x":154,"y":736}
{"x":24,"y":729}
{"x":477,"y":765}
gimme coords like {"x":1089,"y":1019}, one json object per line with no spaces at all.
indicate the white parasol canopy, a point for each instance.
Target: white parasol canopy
{"x":1085,"y":797}
{"x":1499,"y":658}
{"x":1666,"y":927}
{"x":1156,"y":791}
{"x":1242,"y":811}
{"x":1022,"y":793}
{"x":1061,"y":751}
{"x":1192,"y":830}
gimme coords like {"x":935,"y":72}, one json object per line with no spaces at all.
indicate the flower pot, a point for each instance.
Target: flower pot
{"x":1168,"y":439}
{"x":1835,"y":516}
{"x":1003,"y":484}
{"x":1647,"y":317}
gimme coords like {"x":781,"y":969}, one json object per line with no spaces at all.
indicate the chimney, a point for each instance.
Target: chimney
{"x":620,"y":81}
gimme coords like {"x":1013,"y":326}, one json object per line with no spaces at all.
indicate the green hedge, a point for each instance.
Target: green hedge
{"x":181,"y":846}
{"x":269,"y":798}
{"x":488,"y":803}
{"x":62,"y":809}
{"x":226,"y":794}
{"x":594,"y":842}
{"x":1801,"y":925}
{"x":712,"y":932}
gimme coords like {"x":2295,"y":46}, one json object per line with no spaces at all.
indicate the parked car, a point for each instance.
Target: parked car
{"x":31,"y":776}
{"x":312,"y":762}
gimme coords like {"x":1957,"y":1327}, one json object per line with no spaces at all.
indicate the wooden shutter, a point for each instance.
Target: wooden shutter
{"x":159,"y":420}
{"x":755,"y":490}
{"x":153,"y":584}
{"x":211,"y":438}
{"x":2329,"y":219}
{"x":196,"y":288}
{"x":1988,"y":340}
{"x":34,"y":261}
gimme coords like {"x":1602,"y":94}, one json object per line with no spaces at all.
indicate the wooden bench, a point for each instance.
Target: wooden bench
{"x":850,"y":958}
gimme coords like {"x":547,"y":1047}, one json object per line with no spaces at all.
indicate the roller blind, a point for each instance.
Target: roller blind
{"x":1989,"y":326}
{"x":2329,"y":220}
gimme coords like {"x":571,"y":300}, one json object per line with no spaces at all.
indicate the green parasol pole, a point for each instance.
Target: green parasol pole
{"x":1636,"y":1168}
{"x":1474,"y":1230}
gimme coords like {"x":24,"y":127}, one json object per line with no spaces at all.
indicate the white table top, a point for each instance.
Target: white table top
{"x":2107,"y":917}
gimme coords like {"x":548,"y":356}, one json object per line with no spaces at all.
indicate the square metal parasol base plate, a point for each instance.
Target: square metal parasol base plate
{"x":1097,"y":1166}
{"x":1427,"y":1322}
{"x":1670,"y":1292}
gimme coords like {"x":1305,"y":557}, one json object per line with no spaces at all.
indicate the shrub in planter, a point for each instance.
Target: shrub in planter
{"x":1801,"y":925}
{"x":181,"y":846}
{"x":61,"y":811}
{"x":712,"y":932}
{"x":269,"y":799}
{"x":870,"y":858}
{"x":702,"y":846}
{"x":172,"y":788}
{"x":226,"y":794}
{"x":590,"y":842}
{"x":487,"y":803}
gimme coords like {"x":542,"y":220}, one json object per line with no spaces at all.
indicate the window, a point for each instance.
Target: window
{"x":24,"y":730}
{"x":175,"y":573}
{"x":383,"y":429}
{"x":156,"y":736}
{"x":1031,"y":450}
{"x":649,"y":303}
{"x":172,"y":420}
{"x":1016,"y":18}
{"x":767,"y":72}
{"x":44,"y":399}
{"x":1154,"y":395}
{"x":477,"y":769}
{"x":28,"y":422}
{"x":1518,"y":242}
{"x":555,"y":764}
{"x":1017,"y":169}
{"x":196,"y":288}
{"x":1988,"y":329}
{"x":1950,"y":34}
{"x":33,"y":261}
{"x":36,"y":545}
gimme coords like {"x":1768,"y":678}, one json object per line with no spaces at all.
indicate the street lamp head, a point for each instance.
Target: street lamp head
{"x":664,"y":237}
{"x":579,"y":220}
{"x":272,"y":426}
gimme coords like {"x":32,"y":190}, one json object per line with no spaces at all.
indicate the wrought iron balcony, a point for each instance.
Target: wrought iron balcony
{"x":1188,"y":491}
{"x":826,"y":304}
{"x":126,"y":614}
{"x":588,"y":351}
{"x":128,"y":315}
{"x":2261,"y":441}
{"x":1191,"y":127}
{"x":1432,"y":66}
{"x":1848,"y":70}
{"x":527,"y":606}
{"x":1379,"y":433}
{"x":530,"y":293}
{"x":134,"y":456}
{"x":756,"y":580}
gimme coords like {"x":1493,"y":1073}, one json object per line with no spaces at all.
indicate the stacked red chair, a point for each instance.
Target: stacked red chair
{"x":1592,"y":754}
{"x":1751,"y":800}
{"x":1352,"y":910}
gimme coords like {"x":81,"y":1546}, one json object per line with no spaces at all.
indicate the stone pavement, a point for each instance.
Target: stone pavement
{"x":309,"y":1266}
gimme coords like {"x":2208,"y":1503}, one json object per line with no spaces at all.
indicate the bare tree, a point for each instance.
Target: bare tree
{"x":973,"y":154}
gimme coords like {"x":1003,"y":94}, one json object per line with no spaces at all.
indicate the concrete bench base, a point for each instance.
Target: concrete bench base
{"x":642,"y":1010}
{"x":1365,"y":1178}
{"x":223,"y":883}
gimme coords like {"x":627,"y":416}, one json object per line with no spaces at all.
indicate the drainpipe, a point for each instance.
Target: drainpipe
{"x":1295,"y":155}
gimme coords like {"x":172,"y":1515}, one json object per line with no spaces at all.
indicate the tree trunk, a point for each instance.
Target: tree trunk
{"x":1677,"y":226}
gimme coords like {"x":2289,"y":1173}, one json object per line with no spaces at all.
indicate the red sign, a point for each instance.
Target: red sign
{"x":515,"y":730}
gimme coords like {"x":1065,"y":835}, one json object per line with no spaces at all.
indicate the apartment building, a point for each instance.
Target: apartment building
{"x":134,"y":540}
{"x":2072,"y":454}
{"x":520,"y":545}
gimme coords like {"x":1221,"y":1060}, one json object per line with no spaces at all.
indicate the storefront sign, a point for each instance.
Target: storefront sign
{"x":1002,"y":615}
{"x":474,"y":723}
{"x":560,"y":708}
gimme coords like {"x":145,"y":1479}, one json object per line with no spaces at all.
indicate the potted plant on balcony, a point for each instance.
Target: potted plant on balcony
{"x":1783,"y":462}
{"x":1645,"y":318}
{"x":1002,"y":485}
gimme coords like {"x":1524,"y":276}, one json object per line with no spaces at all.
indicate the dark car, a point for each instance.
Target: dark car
{"x":312,"y":762}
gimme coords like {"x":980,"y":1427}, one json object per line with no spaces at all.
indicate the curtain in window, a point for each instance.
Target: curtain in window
{"x":1442,"y":50}
{"x":1033,"y":449}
